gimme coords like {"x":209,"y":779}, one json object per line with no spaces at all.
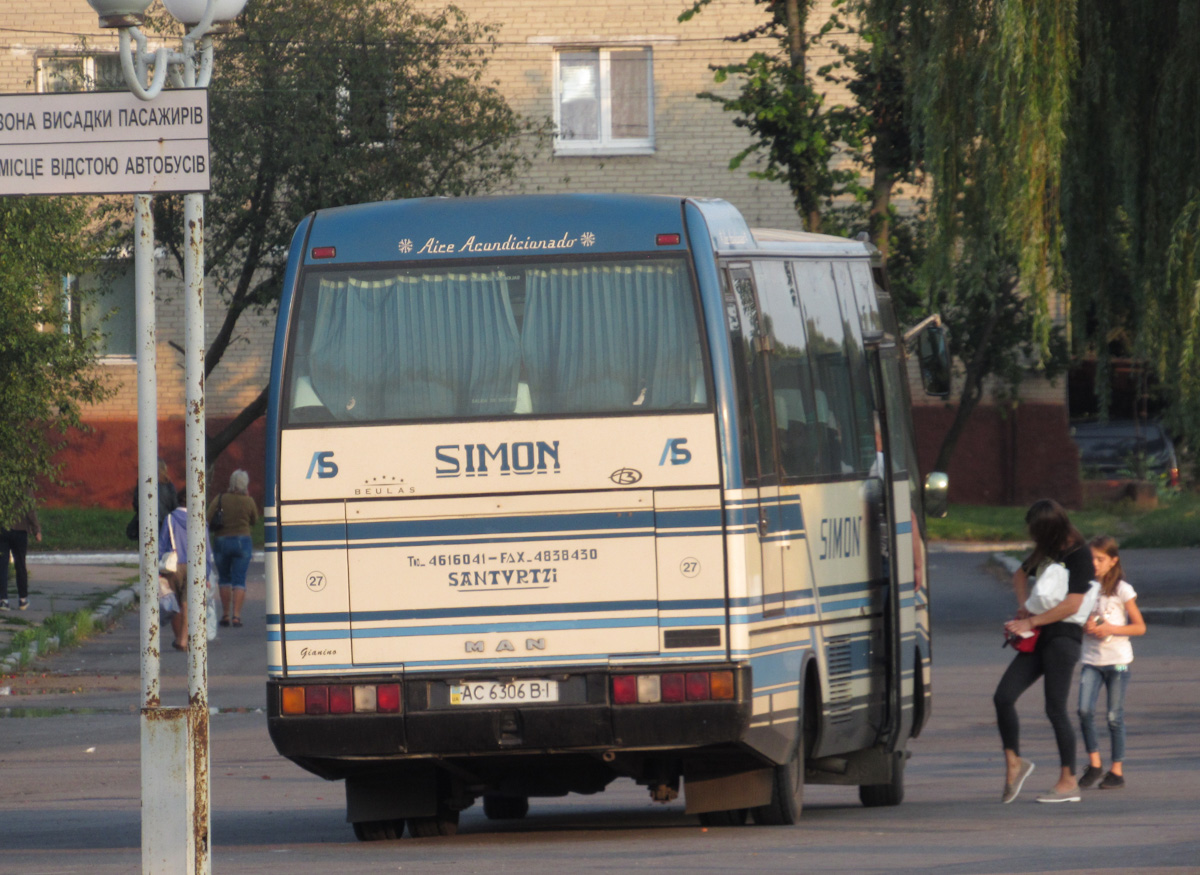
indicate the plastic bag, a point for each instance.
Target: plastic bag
{"x":212,"y":615}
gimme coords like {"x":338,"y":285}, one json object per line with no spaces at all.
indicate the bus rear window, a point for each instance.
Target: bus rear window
{"x":405,"y":344}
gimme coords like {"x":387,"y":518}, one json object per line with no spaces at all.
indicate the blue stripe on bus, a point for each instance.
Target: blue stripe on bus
{"x":695,"y":518}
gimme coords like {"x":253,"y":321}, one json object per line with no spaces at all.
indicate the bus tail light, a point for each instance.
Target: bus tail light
{"x":319,"y":699}
{"x":697,"y":686}
{"x":673,"y":687}
{"x":389,"y":698}
{"x":324,"y":252}
{"x":291,"y":700}
{"x":722,"y":685}
{"x":625,"y":689}
{"x":316,"y":700}
{"x":667,"y":239}
{"x":341,"y":700}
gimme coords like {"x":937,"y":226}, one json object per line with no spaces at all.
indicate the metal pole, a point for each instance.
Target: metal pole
{"x":193,"y":210}
{"x":147,"y":399}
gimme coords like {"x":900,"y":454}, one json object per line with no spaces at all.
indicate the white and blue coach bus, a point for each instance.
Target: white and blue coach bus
{"x":562,"y":489}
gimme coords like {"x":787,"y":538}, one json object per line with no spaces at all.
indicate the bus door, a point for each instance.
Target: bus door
{"x":762,"y":503}
{"x":893,"y":519}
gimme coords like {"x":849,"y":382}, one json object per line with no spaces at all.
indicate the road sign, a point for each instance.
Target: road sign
{"x":104,"y":142}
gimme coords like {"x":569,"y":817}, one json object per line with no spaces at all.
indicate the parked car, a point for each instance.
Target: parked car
{"x":1126,"y":448}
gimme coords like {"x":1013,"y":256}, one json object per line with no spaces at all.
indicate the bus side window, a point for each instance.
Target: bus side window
{"x":833,"y":385}
{"x":754,"y":414}
{"x":860,"y":380}
{"x":801,"y":445}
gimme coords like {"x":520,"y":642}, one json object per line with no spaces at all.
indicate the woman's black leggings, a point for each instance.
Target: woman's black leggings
{"x":1055,"y":659}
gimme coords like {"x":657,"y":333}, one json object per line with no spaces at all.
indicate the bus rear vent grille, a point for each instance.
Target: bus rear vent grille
{"x":692,"y":638}
{"x":840,"y":668}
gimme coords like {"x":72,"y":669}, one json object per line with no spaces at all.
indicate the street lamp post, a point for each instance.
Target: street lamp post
{"x":174,"y":741}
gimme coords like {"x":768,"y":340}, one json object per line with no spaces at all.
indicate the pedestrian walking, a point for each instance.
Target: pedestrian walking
{"x":173,"y":541}
{"x":231,"y":517}
{"x":1107,"y":653}
{"x":14,"y":541}
{"x":1054,"y":610}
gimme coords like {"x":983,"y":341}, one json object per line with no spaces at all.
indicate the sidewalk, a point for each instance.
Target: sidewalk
{"x":63,"y":583}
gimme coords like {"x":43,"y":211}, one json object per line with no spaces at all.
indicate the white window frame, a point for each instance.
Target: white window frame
{"x":87,"y":60}
{"x":606,"y":144}
{"x":71,"y":304}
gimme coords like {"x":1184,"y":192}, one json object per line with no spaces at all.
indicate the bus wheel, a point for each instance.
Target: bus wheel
{"x":378,"y":830}
{"x":787,"y":791}
{"x":505,"y":807}
{"x":732,"y":817}
{"x":444,"y":823}
{"x":891,"y":793}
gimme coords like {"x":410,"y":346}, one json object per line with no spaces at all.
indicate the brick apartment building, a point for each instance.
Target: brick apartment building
{"x":620,"y":82}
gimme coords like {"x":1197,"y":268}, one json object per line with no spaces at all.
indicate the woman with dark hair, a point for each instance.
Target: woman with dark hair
{"x":1059,"y":628}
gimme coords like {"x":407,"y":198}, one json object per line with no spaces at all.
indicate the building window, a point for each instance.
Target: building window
{"x":604,"y":101}
{"x":100,"y":72}
{"x":103,"y":303}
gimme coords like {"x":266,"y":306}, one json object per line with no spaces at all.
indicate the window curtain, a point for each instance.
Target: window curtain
{"x":609,"y":337}
{"x":415,"y":347}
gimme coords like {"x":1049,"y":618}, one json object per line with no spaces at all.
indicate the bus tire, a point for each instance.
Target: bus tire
{"x":505,"y":807}
{"x":378,"y":830}
{"x":787,"y":790}
{"x":732,"y":817}
{"x":891,"y":793}
{"x":444,"y":823}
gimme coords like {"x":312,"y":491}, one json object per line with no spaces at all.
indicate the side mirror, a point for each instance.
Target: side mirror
{"x":934,"y":356}
{"x":937,"y":494}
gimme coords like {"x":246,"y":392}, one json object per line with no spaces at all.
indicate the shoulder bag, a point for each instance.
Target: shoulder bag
{"x":169,"y":562}
{"x":218,"y":520}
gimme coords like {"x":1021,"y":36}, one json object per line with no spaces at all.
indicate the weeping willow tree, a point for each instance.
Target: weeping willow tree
{"x":1131,"y":201}
{"x":992,"y":84}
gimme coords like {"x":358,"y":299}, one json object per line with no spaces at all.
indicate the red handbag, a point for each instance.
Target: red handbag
{"x":1022,"y":645}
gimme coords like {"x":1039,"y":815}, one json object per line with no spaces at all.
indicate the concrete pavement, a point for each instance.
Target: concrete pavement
{"x":1167,"y":582}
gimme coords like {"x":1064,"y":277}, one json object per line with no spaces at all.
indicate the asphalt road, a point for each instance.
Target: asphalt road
{"x":69,"y":778}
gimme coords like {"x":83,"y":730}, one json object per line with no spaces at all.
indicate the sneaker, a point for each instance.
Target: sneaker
{"x":1112,"y":782}
{"x":1052,"y":796}
{"x":23,"y":605}
{"x":1090,"y":776}
{"x":4,"y":605}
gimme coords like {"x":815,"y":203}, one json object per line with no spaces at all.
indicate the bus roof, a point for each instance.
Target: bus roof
{"x":422,"y":229}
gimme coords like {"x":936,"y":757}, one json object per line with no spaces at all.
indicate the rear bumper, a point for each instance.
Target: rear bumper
{"x":427,"y":727}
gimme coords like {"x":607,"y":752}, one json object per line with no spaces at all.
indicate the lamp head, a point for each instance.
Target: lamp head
{"x":120,"y":13}
{"x":190,"y":12}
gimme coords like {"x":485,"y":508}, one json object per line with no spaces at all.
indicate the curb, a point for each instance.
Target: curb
{"x":102,"y":617}
{"x":1157,"y":616}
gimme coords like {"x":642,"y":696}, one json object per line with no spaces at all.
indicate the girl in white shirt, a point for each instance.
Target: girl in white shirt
{"x":1106,"y":655}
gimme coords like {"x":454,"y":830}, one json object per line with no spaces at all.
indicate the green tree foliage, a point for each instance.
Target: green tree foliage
{"x":992,"y":84}
{"x":1131,"y":200}
{"x":778,"y":103}
{"x":992,"y":81}
{"x":46,"y":373}
{"x":320,"y":103}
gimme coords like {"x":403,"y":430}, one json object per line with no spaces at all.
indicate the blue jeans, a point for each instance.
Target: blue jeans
{"x":1114,"y":678}
{"x":233,"y":558}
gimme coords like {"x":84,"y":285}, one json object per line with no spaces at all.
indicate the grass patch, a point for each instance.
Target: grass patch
{"x":88,"y":529}
{"x":1174,"y":523}
{"x":69,"y":629}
